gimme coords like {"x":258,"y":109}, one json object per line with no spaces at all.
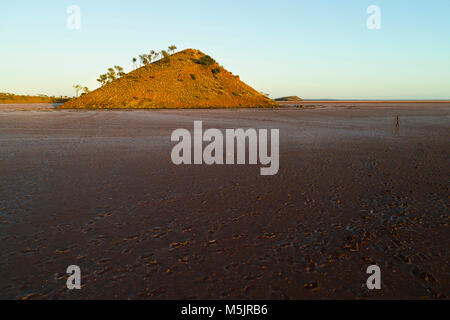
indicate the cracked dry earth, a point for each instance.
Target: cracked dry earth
{"x":98,"y":189}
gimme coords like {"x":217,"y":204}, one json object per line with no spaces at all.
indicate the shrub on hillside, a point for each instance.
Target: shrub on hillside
{"x":165,"y":56}
{"x":206,"y":60}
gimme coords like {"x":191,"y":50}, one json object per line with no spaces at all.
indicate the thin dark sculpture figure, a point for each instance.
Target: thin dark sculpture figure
{"x":397,"y":124}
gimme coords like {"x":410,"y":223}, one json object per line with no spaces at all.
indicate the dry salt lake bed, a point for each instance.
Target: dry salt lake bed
{"x":98,"y":189}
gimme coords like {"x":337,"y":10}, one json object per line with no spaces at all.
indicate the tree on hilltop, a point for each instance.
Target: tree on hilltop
{"x":120,"y":72}
{"x":152,"y":56}
{"x":144,"y":59}
{"x":111,"y":75}
{"x":103,"y":79}
{"x":172,"y":49}
{"x":165,"y":55}
{"x":78,"y":88}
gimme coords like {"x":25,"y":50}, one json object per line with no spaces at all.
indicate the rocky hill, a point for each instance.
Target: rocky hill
{"x":187,"y":79}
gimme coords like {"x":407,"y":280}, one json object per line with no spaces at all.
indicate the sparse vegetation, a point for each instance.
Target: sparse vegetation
{"x":165,"y":56}
{"x":206,"y":60}
{"x":111,"y":75}
{"x":144,"y":60}
{"x":103,"y":79}
{"x":153,"y":56}
{"x":172,"y":49}
{"x":216,"y":70}
{"x":79,"y":88}
{"x":9,"y":98}
{"x":119,"y":71}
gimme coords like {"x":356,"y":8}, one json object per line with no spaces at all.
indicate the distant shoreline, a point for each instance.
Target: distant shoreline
{"x":282,"y":105}
{"x":306,"y":101}
{"x":10,"y":98}
{"x":48,"y":100}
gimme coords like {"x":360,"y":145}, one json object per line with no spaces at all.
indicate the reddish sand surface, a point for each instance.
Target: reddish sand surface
{"x":97,"y":189}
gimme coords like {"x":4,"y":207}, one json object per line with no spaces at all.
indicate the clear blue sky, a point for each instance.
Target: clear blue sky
{"x":310,"y":48}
